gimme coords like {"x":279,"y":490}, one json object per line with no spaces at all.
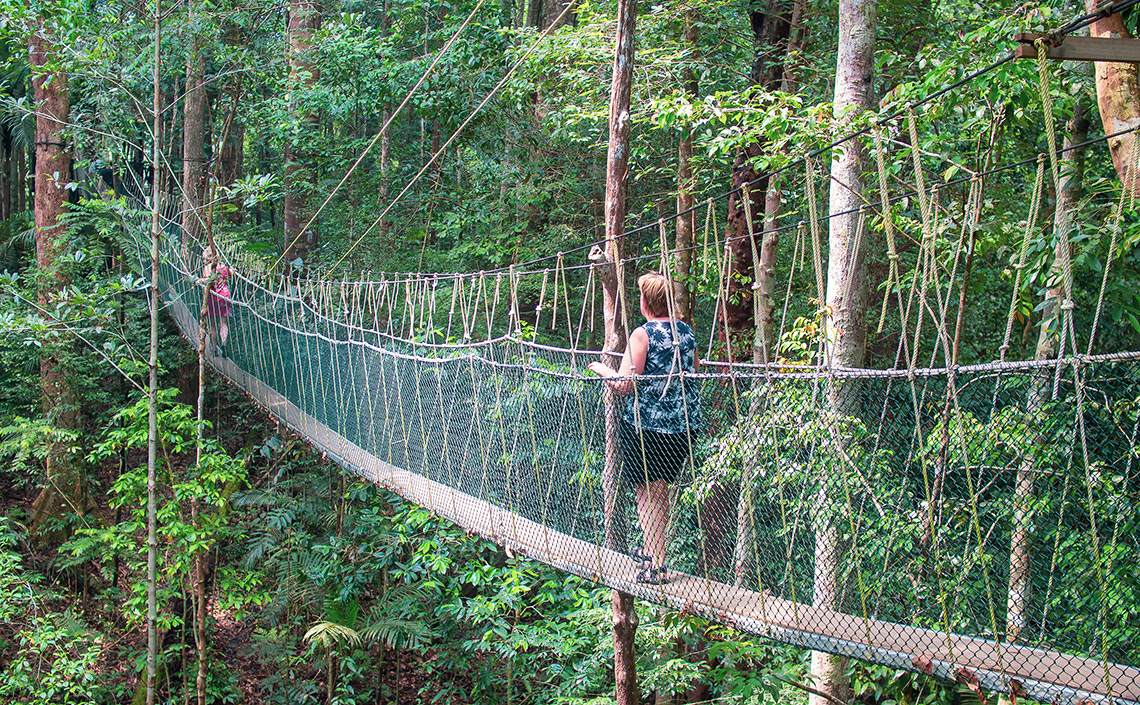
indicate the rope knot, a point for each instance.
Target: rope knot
{"x":1068,"y":305}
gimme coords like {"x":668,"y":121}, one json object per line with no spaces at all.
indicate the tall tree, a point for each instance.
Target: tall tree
{"x":764,"y":337}
{"x":846,"y":308}
{"x":193,"y":132}
{"x":64,"y":492}
{"x":152,"y":370}
{"x":1118,"y":97}
{"x":769,"y":21}
{"x":685,"y":184}
{"x":1049,"y":346}
{"x":614,"y":307}
{"x":304,"y":21}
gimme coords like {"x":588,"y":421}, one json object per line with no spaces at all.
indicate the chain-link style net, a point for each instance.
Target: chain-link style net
{"x":973,"y":522}
{"x":977,"y":523}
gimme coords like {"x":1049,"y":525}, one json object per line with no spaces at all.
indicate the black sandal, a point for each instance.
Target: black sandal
{"x":653,"y":576}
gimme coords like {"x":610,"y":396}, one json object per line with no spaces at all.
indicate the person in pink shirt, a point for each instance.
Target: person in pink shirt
{"x":218,"y":306}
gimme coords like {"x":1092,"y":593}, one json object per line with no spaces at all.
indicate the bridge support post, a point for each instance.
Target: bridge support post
{"x":617,"y":163}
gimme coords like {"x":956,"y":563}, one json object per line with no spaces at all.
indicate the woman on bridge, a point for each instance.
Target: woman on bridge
{"x":660,"y":416}
{"x":218,"y":306}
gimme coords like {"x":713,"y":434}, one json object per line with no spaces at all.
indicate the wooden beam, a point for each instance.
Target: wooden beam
{"x":1081,"y":48}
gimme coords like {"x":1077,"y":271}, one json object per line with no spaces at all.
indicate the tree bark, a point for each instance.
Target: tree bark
{"x":152,"y":378}
{"x":233,"y":166}
{"x":846,"y":311}
{"x":617,"y":166}
{"x":686,"y":220}
{"x":6,"y":166}
{"x":1049,"y":345}
{"x":64,"y":491}
{"x":385,"y":160}
{"x":770,"y":30}
{"x":764,"y":342}
{"x":1118,"y":97}
{"x":304,"y":21}
{"x":193,"y":136}
{"x":193,"y":168}
{"x":763,"y":334}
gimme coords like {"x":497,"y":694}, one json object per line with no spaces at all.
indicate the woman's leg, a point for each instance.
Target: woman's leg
{"x":223,"y":330}
{"x":645,"y":517}
{"x":653,"y":510}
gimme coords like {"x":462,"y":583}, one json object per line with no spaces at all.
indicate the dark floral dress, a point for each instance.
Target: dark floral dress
{"x":663,"y":403}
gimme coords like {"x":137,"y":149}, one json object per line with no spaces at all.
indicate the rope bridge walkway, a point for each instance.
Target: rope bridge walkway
{"x":504,"y":438}
{"x":977,"y":523}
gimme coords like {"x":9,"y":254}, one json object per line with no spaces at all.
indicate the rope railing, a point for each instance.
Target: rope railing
{"x":969,"y":521}
{"x":506,"y":438}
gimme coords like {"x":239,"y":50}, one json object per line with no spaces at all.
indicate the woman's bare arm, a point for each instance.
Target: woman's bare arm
{"x":632,"y":363}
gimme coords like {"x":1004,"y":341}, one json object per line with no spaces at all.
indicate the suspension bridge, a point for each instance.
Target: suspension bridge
{"x":982,"y":518}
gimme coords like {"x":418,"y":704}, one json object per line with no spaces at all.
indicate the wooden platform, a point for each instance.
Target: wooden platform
{"x":1039,"y":674}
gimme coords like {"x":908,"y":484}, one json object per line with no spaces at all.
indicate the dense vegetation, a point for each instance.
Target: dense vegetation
{"x":321,"y":588}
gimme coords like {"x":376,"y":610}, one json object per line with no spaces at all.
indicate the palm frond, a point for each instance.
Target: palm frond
{"x":329,"y":634}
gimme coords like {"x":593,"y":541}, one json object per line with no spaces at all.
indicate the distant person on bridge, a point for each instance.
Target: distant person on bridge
{"x":219,"y":308}
{"x":661,"y":416}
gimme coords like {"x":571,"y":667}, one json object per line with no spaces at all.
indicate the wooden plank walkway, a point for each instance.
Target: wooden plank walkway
{"x":1042,"y":675}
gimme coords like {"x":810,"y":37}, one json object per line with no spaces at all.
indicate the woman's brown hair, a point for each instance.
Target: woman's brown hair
{"x":655,"y":289}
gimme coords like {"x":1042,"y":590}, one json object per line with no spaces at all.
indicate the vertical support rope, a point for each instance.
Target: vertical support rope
{"x":888,"y":229}
{"x":1030,"y":226}
{"x":1067,"y":306}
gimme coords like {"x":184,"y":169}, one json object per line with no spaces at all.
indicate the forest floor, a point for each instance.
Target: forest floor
{"x":97,"y":596}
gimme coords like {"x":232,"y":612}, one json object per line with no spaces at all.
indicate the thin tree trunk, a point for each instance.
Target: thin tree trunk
{"x":193,"y":230}
{"x":1118,"y":97}
{"x":193,"y":165}
{"x":764,"y":343}
{"x":304,"y":21}
{"x":769,"y":21}
{"x":617,"y":161}
{"x":845,"y":328}
{"x":763,"y":337}
{"x":385,"y":160}
{"x":64,"y":491}
{"x":6,"y":164}
{"x":193,"y":131}
{"x":152,"y":379}
{"x":686,"y":220}
{"x":199,"y":572}
{"x":21,"y":182}
{"x":1049,"y":345}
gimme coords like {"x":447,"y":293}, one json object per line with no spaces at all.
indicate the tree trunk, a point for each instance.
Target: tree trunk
{"x":686,"y":219}
{"x":304,"y":21}
{"x":845,"y":324}
{"x":769,"y":29}
{"x":193,"y":169}
{"x":21,"y":182}
{"x":764,"y":342}
{"x":231,"y":166}
{"x":1049,"y":346}
{"x":1118,"y":97}
{"x":552,"y":14}
{"x":385,"y":159}
{"x":198,"y":573}
{"x":193,"y":137}
{"x":6,"y":165}
{"x":617,"y":162}
{"x":152,"y":379}
{"x":64,"y":491}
